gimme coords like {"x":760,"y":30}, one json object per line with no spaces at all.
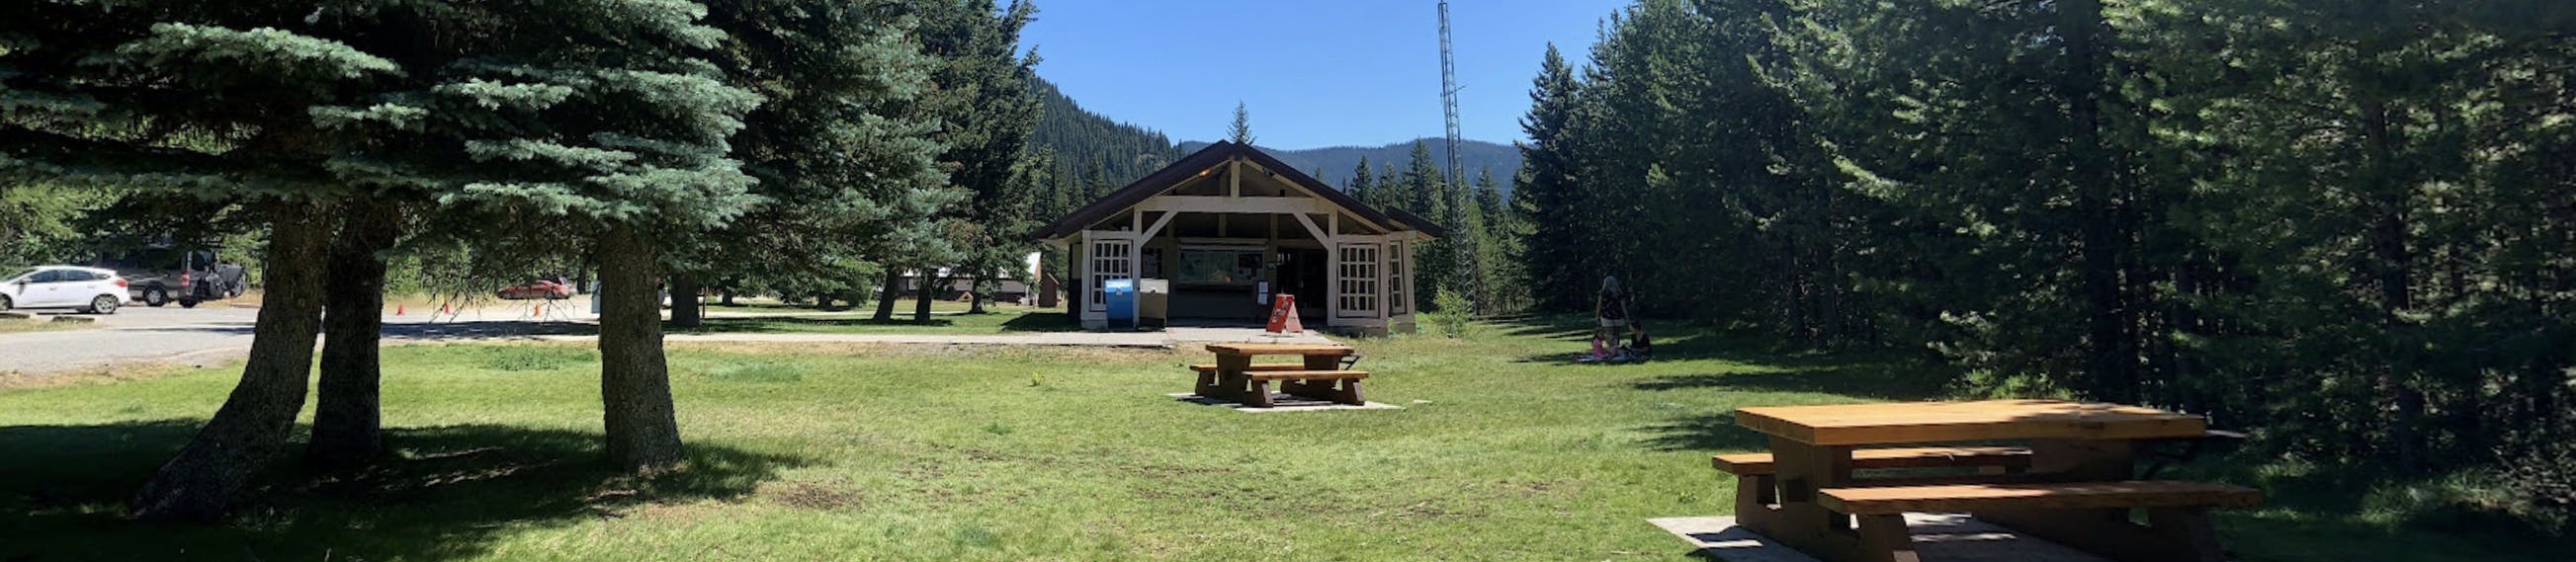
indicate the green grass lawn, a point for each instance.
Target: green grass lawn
{"x":838,"y":452}
{"x":901,"y":307}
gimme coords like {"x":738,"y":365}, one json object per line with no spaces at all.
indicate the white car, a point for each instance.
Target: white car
{"x":88,"y":289}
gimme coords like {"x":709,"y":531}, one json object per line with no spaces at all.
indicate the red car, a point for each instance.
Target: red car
{"x":535,"y":289}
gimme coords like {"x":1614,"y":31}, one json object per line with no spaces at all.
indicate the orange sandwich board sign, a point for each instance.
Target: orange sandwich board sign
{"x":1283,"y":315}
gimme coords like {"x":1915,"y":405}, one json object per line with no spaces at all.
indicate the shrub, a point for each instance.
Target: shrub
{"x":1452,"y":320}
{"x":2543,"y":477}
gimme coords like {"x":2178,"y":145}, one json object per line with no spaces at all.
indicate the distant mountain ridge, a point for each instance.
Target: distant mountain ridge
{"x":1093,"y":153}
{"x":1338,"y":161}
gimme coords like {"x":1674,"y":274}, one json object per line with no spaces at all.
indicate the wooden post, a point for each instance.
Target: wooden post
{"x":1754,"y":495}
{"x":1259,"y":395}
{"x":1229,"y":377}
{"x":2172,"y":534}
{"x":1883,"y":537}
{"x":1800,"y":522}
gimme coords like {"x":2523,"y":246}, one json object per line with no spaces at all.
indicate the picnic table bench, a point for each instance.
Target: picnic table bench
{"x":2074,"y":484}
{"x":1320,"y":375}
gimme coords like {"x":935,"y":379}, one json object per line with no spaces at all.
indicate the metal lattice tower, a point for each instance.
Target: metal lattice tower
{"x":1449,"y":88}
{"x":1464,"y":259}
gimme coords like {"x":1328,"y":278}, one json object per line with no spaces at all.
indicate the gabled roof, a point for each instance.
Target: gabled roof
{"x":1215,"y":154}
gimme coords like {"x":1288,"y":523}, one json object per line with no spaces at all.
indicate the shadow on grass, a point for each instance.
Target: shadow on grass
{"x":1043,"y":322}
{"x":2362,"y":510}
{"x":451,"y":492}
{"x":1031,"y":322}
{"x":1874,"y":381}
{"x":777,"y":325}
{"x":1555,"y":327}
{"x":490,"y":329}
{"x":784,"y":307}
{"x":1704,"y":433}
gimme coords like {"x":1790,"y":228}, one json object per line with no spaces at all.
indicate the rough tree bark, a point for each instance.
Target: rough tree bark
{"x":251,"y":428}
{"x":2105,"y":240}
{"x":634,"y":380}
{"x":685,"y":304}
{"x":924,"y":286}
{"x":348,"y":425}
{"x":893,"y":290}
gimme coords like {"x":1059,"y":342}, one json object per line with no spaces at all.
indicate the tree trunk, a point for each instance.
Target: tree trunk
{"x":921,"y":308}
{"x":2394,"y":274}
{"x":687,"y":309}
{"x":348,"y":424}
{"x":725,"y":298}
{"x":252,"y":426}
{"x":634,"y":380}
{"x":885,"y":298}
{"x":2112,"y":358}
{"x":976,"y":296}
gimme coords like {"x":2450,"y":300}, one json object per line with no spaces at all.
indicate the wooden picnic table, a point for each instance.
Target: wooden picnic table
{"x":2076,"y":490}
{"x":1319,"y":375}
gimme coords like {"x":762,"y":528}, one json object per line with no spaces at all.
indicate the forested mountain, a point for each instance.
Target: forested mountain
{"x":1089,"y":144}
{"x":2345,"y":225}
{"x":1087,"y":154}
{"x":1338,"y":161}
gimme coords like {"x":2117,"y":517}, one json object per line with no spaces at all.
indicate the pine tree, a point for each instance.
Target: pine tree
{"x":984,"y":88}
{"x":1241,"y":130}
{"x":1548,"y":195}
{"x":363,"y":107}
{"x":2263,"y":210}
{"x":1498,"y":254}
{"x":840,"y":149}
{"x":1363,"y":185}
{"x":1426,"y":192}
{"x":1078,"y":136}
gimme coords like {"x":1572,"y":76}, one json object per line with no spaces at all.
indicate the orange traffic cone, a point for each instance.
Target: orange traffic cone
{"x":398,"y":309}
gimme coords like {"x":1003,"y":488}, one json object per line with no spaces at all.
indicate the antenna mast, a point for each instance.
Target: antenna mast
{"x":1464,"y":257}
{"x":1449,"y":88}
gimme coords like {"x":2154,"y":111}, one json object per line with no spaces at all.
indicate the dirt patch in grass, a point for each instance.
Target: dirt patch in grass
{"x":814,"y":495}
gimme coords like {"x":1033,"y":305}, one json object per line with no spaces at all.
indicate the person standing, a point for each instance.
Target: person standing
{"x":1610,"y":307}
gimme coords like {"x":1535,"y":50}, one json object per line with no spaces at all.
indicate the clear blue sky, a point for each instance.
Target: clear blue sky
{"x":1314,"y":73}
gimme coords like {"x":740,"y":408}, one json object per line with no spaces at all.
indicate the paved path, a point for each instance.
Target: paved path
{"x":215,"y":334}
{"x":1945,"y":537}
{"x":1159,"y":340}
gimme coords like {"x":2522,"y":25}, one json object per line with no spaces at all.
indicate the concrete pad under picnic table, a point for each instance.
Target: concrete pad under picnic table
{"x":1938,"y":537}
{"x":1282,"y":403}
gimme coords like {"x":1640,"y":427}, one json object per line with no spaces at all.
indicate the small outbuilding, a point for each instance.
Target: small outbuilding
{"x":1227,"y":228}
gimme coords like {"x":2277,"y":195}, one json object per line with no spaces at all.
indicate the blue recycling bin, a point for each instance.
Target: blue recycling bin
{"x":1119,"y":295}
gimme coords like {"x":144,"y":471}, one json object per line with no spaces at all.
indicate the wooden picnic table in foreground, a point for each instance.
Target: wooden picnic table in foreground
{"x":1318,"y":375}
{"x":2074,"y":483}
